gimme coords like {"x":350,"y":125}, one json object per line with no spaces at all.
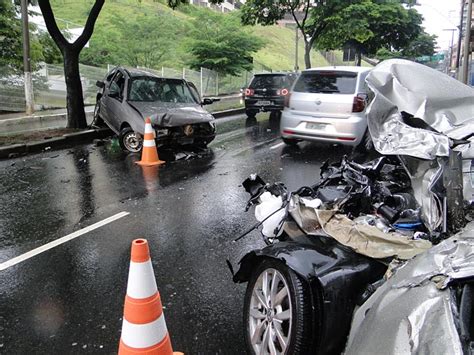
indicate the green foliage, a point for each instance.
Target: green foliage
{"x":369,"y":25}
{"x":106,"y":47}
{"x":218,"y":42}
{"x":49,"y":49}
{"x":11,"y":42}
{"x":312,"y":24}
{"x":11,"y":50}
{"x":422,"y":45}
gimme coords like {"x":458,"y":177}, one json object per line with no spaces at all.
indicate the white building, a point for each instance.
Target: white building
{"x":225,"y":6}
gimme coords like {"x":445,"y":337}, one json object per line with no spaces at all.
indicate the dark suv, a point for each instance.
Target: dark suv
{"x":267,"y":92}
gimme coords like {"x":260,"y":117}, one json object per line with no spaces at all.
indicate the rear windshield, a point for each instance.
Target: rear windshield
{"x":327,"y":82}
{"x":269,"y":81}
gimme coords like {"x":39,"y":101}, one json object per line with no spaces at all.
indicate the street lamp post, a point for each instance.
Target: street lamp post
{"x":30,"y":107}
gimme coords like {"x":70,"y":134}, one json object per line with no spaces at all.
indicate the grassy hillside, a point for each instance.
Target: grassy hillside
{"x":278,"y":53}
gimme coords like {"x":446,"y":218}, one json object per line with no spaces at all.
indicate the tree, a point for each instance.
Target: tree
{"x":310,"y":16}
{"x":422,"y":45}
{"x":223,"y":46}
{"x":76,"y":117}
{"x":370,"y":25}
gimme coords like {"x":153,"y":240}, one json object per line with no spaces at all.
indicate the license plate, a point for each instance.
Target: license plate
{"x":263,"y":103}
{"x":318,"y":126}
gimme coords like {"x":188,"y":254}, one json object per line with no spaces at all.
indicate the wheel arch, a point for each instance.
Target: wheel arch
{"x":336,"y":276}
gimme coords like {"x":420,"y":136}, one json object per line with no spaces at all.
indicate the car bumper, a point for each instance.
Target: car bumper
{"x":265,"y":104}
{"x":347,"y":130}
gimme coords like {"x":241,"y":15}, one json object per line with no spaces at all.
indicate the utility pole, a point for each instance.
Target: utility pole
{"x":296,"y":48}
{"x":467,"y":44}
{"x":461,"y":31}
{"x":30,"y":105}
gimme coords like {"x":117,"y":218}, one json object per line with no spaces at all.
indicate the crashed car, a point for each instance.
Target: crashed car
{"x":374,"y":257}
{"x":126,"y":97}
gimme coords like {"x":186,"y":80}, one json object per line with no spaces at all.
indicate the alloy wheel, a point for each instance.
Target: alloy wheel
{"x":270,"y":313}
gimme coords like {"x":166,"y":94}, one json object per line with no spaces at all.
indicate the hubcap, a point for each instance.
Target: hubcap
{"x":270,"y":314}
{"x":132,"y":142}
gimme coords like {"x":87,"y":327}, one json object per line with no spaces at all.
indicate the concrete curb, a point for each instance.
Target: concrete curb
{"x":235,"y":111}
{"x":66,"y":140}
{"x":70,"y":139}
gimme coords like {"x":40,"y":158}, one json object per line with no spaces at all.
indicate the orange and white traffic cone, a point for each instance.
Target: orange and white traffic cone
{"x":143,"y":329}
{"x":149,"y":151}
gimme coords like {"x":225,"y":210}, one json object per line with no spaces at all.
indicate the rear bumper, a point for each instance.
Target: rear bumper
{"x":276,"y":103}
{"x":347,"y":131}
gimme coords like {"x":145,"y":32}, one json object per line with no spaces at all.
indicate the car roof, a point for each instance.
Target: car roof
{"x":340,"y":68}
{"x":134,"y":73}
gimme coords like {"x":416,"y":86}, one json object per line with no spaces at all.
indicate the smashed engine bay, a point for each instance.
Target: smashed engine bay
{"x":370,"y":208}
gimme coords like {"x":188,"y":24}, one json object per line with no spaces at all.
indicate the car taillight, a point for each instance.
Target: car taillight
{"x":282,"y":92}
{"x":359,"y":103}
{"x":287,"y":99}
{"x":249,"y":92}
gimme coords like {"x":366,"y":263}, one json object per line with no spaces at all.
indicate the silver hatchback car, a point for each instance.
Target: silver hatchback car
{"x":327,"y":104}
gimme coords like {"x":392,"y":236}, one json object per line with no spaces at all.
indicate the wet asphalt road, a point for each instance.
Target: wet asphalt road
{"x":70,"y":299}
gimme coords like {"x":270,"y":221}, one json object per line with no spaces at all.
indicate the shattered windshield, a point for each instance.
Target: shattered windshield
{"x":148,"y":89}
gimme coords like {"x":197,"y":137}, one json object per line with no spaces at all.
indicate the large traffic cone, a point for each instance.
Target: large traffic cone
{"x":143,"y":329}
{"x":149,"y":151}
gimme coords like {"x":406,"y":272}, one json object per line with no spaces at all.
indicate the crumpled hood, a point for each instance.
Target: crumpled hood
{"x":172,"y":114}
{"x":442,"y":102}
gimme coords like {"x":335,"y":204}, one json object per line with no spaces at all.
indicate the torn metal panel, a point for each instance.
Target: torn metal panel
{"x":414,"y":312}
{"x":362,"y":238}
{"x":440,"y":101}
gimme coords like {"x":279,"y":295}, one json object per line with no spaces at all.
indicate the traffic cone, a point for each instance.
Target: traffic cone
{"x":149,"y":151}
{"x":143,"y":329}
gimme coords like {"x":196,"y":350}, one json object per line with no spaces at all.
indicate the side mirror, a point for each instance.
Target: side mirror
{"x":100,"y":84}
{"x":207,"y":101}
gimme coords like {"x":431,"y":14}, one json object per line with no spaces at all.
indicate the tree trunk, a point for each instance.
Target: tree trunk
{"x":359,"y":58}
{"x":307,"y":54}
{"x":76,"y":117}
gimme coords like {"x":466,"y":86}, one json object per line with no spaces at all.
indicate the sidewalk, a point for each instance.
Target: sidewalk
{"x":20,"y":122}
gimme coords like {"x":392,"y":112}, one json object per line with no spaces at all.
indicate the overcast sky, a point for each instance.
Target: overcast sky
{"x":440,"y":15}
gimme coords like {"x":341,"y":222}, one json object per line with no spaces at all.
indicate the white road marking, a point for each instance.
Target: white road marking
{"x":277,"y":145}
{"x":60,"y":241}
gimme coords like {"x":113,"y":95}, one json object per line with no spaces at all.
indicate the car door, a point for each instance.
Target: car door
{"x":113,"y":101}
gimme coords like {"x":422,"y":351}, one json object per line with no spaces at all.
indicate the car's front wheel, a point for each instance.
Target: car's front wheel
{"x":277,"y":311}
{"x":130,"y":140}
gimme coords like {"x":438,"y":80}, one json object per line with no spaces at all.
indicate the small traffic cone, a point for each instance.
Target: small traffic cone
{"x":143,"y":329}
{"x":149,"y":151}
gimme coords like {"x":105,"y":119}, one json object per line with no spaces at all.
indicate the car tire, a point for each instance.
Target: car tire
{"x":251,"y":113}
{"x":366,"y":144}
{"x":284,"y":327}
{"x":130,"y":140}
{"x":290,"y":141}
